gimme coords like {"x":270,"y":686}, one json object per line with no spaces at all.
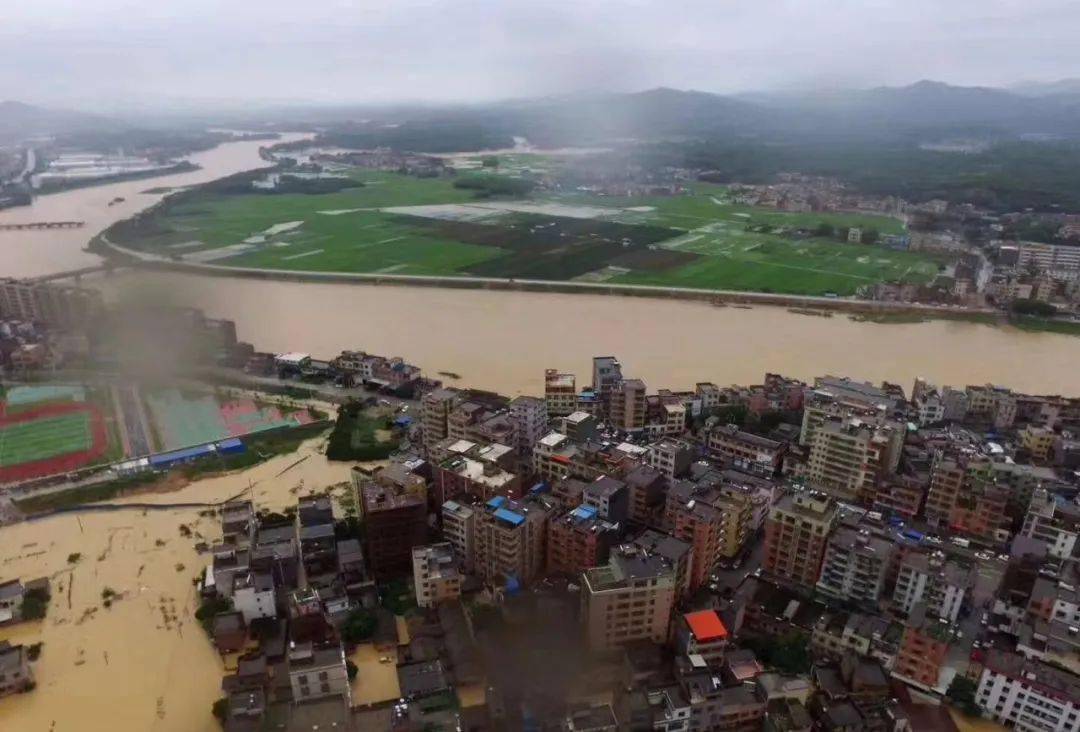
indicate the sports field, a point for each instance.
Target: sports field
{"x":400,"y":224}
{"x":25,"y":442}
{"x":49,"y":438}
{"x":184,"y":419}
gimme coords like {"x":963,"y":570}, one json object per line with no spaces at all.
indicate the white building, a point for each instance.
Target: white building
{"x":459,"y":529}
{"x":1029,"y":695}
{"x":1056,"y":524}
{"x":253,"y":596}
{"x":930,"y":579}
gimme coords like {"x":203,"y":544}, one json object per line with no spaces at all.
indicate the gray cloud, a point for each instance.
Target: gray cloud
{"x":444,"y":50}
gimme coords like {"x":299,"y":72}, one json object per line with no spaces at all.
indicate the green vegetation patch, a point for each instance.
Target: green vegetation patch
{"x":355,"y":435}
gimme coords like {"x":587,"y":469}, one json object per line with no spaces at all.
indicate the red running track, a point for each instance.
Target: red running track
{"x":99,"y":442}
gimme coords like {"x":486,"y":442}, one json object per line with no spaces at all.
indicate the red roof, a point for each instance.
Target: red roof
{"x":706,"y":626}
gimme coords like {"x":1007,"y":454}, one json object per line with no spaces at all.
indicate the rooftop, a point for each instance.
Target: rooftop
{"x":706,"y":626}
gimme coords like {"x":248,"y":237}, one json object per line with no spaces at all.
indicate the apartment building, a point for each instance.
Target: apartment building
{"x":1038,"y":441}
{"x":796,"y":535}
{"x":15,"y":673}
{"x":556,"y":456}
{"x":855,"y":566}
{"x":1028,"y":695}
{"x":317,"y":673}
{"x":903,"y":495}
{"x":435,"y":409}
{"x":744,"y":450}
{"x":578,"y":540}
{"x":530,"y":418}
{"x":646,"y":485}
{"x":848,"y":456}
{"x":840,"y":398}
{"x":994,"y":404}
{"x":627,"y":405}
{"x":436,"y":576}
{"x":702,"y":633}
{"x":510,"y":538}
{"x":609,"y":497}
{"x":932,"y":580}
{"x":1053,"y":520}
{"x":475,"y":469}
{"x":50,"y":303}
{"x":679,"y":554}
{"x":459,"y":530}
{"x":606,"y":376}
{"x":1061,"y":262}
{"x":963,"y":495}
{"x":630,"y":598}
{"x":716,"y":520}
{"x":671,"y":456}
{"x":924,"y":648}
{"x":395,"y":520}
{"x":560,"y":393}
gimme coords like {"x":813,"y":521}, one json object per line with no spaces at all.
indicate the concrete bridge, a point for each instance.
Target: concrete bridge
{"x":76,"y":274}
{"x":43,"y":225}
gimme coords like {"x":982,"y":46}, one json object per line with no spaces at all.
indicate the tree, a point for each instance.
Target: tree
{"x":34,"y":605}
{"x":351,"y":669}
{"x":789,"y":654}
{"x":359,"y":626}
{"x":220,"y":709}
{"x":871,"y":236}
{"x":1034,"y":307}
{"x":825,"y":230}
{"x":962,"y":693}
{"x":491,"y":161}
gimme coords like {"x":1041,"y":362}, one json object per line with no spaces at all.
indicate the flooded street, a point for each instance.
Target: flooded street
{"x":32,"y":253}
{"x":143,"y":663}
{"x":504,"y":340}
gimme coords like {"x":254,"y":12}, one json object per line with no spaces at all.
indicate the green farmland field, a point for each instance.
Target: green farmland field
{"x":393,"y":223}
{"x":25,"y":442}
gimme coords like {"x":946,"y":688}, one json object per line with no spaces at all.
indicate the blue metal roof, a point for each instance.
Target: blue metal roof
{"x":176,"y":455}
{"x":584,"y":512}
{"x":496,"y":502}
{"x":539,"y":488}
{"x":515,"y":519}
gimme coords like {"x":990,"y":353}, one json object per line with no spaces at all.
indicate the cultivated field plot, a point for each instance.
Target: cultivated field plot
{"x":185,"y":419}
{"x":406,"y":225}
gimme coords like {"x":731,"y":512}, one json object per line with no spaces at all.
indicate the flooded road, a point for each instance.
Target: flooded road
{"x":503,"y":340}
{"x":32,"y":253}
{"x":143,"y":663}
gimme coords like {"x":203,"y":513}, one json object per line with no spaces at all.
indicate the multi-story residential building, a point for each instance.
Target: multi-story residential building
{"x":839,"y":398}
{"x":848,"y":456}
{"x":963,"y":496}
{"x":671,"y":456}
{"x":627,"y":405}
{"x":475,"y":469}
{"x":901,"y":494}
{"x":556,"y":456}
{"x":435,"y":409}
{"x":796,"y":534}
{"x":744,"y":450}
{"x":317,"y":673}
{"x":395,"y":521}
{"x":253,"y":595}
{"x":716,"y":520}
{"x":630,"y":598}
{"x":646,"y":486}
{"x":560,"y":393}
{"x":1050,"y":518}
{"x":49,"y":303}
{"x":938,"y":583}
{"x":702,"y":633}
{"x":708,"y":394}
{"x":578,"y":426}
{"x":530,"y":418}
{"x":1028,"y":695}
{"x":578,"y":540}
{"x":838,"y":634}
{"x":12,"y":594}
{"x":994,"y":404}
{"x":606,"y":377}
{"x":855,"y":566}
{"x":679,"y":554}
{"x":459,"y":530}
{"x":924,"y":649}
{"x":1060,"y":261}
{"x":510,"y":538}
{"x":1038,"y":441}
{"x":610,"y":497}
{"x":436,"y":576}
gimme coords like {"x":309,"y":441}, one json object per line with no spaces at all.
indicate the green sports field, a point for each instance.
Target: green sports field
{"x":40,"y":439}
{"x":401,"y":224}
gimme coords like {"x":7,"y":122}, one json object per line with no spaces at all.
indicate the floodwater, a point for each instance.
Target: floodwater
{"x":143,"y":663}
{"x":31,"y":253}
{"x":503,"y":340}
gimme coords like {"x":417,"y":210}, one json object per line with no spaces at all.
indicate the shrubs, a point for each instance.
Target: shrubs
{"x":35,"y":604}
{"x":359,"y":626}
{"x":1033,"y":307}
{"x":354,"y":437}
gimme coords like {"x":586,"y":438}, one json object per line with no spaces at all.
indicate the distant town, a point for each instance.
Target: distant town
{"x":831,"y":555}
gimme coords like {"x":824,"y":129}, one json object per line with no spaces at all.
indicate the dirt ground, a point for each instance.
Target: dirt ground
{"x":143,"y":663}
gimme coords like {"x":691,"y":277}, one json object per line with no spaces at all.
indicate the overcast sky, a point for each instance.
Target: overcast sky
{"x":359,"y":51}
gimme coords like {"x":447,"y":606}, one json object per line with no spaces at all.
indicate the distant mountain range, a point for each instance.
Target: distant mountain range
{"x":19,"y":121}
{"x":924,"y":110}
